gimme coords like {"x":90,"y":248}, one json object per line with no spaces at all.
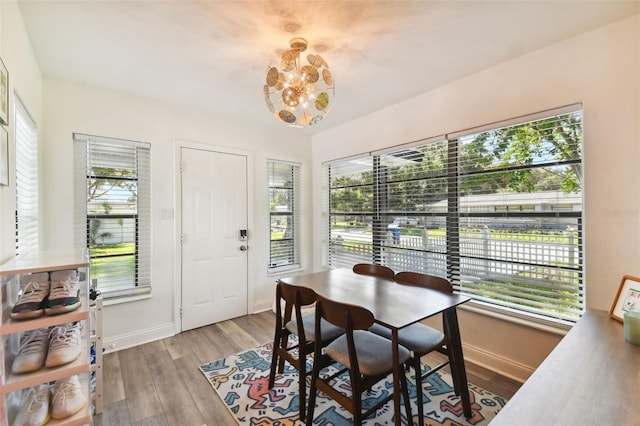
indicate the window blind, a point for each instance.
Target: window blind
{"x":117,"y":212}
{"x":27,"y":191}
{"x":497,"y":212}
{"x":284,"y":214}
{"x":520,"y":216}
{"x":351,"y":209}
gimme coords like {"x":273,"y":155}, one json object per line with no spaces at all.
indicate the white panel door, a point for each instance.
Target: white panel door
{"x":214,"y":210}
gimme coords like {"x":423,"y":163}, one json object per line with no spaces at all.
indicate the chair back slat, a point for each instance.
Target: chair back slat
{"x":294,"y":294}
{"x":424,"y":280}
{"x":294,"y":298}
{"x":374,"y":270}
{"x":349,"y":317}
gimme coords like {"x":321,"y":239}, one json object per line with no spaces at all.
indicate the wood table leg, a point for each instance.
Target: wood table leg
{"x":396,"y":376}
{"x":458,"y":370}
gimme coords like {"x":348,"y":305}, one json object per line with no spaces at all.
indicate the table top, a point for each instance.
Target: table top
{"x":591,"y":378}
{"x":392,"y":304}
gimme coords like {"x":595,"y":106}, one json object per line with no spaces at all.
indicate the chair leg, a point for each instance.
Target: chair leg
{"x":452,"y":368}
{"x":407,"y":401}
{"x":274,"y":360}
{"x":284,"y":342}
{"x":356,"y":400}
{"x":312,"y":394}
{"x":302,"y":382}
{"x":417,"y":368}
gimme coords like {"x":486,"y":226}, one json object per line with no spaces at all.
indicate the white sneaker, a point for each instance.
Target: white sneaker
{"x":64,"y":295}
{"x":34,"y":408}
{"x":34,"y":288}
{"x":68,"y":398}
{"x":32,"y":351}
{"x":64,"y":344}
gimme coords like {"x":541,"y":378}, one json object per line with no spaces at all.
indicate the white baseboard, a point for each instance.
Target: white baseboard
{"x":138,"y":337}
{"x":262,"y":305}
{"x":501,"y":365}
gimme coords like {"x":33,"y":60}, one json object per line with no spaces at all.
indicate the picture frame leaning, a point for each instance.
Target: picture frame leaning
{"x":4,"y":94}
{"x":627,"y":298}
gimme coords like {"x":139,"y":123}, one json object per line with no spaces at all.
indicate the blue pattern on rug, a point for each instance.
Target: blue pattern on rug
{"x":241,"y":381}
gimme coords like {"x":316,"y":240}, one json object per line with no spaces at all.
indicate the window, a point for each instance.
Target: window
{"x":113,"y":177}
{"x":284,"y":214}
{"x":27,"y":193}
{"x":497,"y":211}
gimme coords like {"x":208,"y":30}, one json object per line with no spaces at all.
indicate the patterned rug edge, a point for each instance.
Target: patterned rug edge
{"x":241,"y":382}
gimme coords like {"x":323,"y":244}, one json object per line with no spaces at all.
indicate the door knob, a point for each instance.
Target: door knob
{"x":243,"y":248}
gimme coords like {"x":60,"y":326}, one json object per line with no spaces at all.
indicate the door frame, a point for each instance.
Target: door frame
{"x":177,"y":246}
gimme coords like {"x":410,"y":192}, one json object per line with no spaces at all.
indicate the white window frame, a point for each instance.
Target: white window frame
{"x":94,"y":149}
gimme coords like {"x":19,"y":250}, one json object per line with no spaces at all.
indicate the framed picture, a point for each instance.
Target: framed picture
{"x":4,"y":94}
{"x":4,"y":157}
{"x":627,"y":298}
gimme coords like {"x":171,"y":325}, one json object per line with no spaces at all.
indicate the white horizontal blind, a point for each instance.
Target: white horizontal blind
{"x":80,"y":189}
{"x":284,"y":214}
{"x":118,"y":213}
{"x":413,"y":208}
{"x":499,"y":213}
{"x":350,"y":212}
{"x":520,"y":217}
{"x":27,"y":192}
{"x":324,"y":213}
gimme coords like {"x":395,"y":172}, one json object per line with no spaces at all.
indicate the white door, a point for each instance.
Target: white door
{"x":214,"y":210}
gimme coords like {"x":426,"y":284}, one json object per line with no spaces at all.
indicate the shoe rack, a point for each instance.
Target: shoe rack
{"x":95,"y":311}
{"x":11,"y":331}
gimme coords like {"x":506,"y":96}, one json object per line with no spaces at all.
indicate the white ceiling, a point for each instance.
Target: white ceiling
{"x":214,"y":54}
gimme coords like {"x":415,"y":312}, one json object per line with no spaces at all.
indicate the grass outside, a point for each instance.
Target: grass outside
{"x":111,"y":249}
{"x":564,"y":301}
{"x":277,"y":235}
{"x":104,"y":265}
{"x":496,"y":289}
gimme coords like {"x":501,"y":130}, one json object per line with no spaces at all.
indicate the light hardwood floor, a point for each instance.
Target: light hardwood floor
{"x":159,"y":383}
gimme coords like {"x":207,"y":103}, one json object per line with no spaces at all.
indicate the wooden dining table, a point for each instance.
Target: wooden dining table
{"x":395,"y":306}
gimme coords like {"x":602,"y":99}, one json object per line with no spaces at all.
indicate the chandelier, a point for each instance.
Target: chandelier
{"x":299,"y":92}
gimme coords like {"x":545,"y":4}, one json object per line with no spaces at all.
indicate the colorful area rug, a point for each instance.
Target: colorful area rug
{"x":241,"y":381}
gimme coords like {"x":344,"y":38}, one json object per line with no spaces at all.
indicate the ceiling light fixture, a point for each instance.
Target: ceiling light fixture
{"x":299,"y":93}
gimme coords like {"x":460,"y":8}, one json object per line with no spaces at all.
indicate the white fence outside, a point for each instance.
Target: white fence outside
{"x":485,"y":253}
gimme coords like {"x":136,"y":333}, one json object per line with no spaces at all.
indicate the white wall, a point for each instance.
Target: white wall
{"x":25,"y":80}
{"x":75,"y":108}
{"x":601,"y":69}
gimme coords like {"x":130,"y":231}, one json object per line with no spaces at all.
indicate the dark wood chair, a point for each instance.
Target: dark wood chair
{"x":367,"y":357}
{"x":419,"y":338}
{"x":302,"y":326}
{"x":374,"y":270}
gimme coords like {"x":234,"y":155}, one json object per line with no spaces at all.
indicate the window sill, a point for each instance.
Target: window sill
{"x":274,"y":272}
{"x":549,"y":326}
{"x":126,"y":299}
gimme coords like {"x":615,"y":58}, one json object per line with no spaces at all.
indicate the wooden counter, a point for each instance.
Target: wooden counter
{"x":591,"y":378}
